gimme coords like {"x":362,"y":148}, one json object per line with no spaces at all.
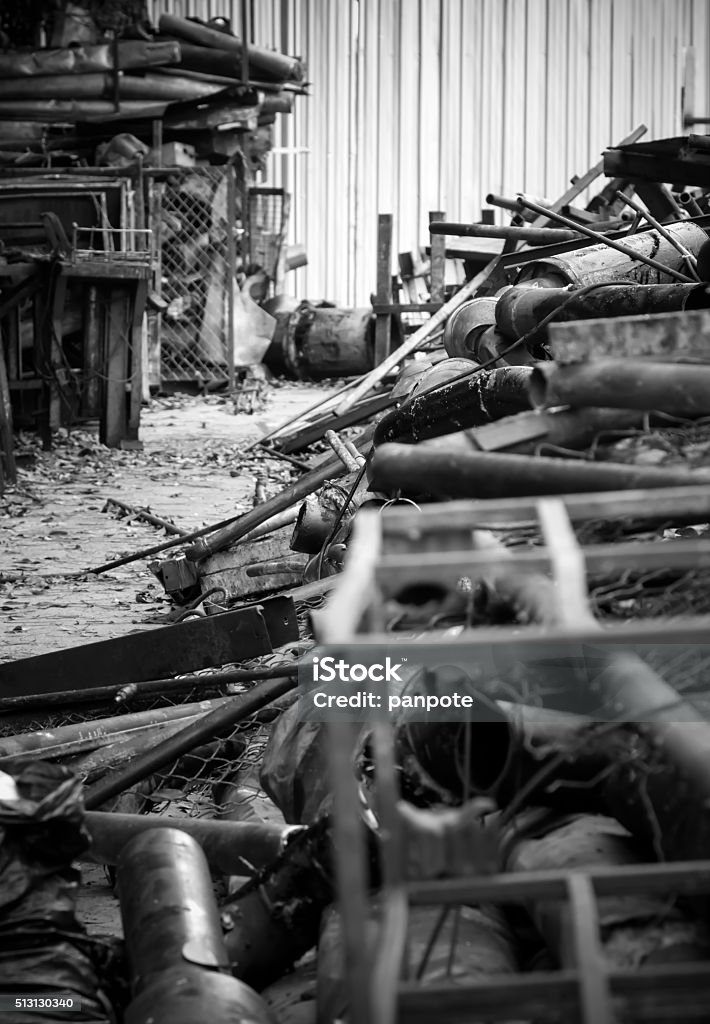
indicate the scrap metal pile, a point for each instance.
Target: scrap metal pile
{"x":534,"y":499}
{"x":106,"y":70}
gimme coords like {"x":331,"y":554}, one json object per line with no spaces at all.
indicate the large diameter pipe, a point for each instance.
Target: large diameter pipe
{"x":277,"y":66}
{"x":210,"y":726}
{"x":678,"y":389}
{"x":637,"y":249}
{"x":178,"y":964}
{"x":231,"y":847}
{"x":475,"y":399}
{"x":603,"y":263}
{"x":456,"y":470}
{"x":538,"y":236}
{"x":519,"y":311}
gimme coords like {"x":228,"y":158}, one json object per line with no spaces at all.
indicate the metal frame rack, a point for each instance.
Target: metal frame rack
{"x":391,"y":550}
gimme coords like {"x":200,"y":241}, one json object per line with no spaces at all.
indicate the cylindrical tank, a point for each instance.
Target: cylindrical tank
{"x":599,"y":263}
{"x":317,"y":342}
{"x":520,"y":310}
{"x":178,"y":963}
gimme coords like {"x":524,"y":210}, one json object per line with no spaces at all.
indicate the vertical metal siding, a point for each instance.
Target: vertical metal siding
{"x":431,"y":104}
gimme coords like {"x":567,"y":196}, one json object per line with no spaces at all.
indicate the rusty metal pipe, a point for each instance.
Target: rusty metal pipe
{"x":504,"y":203}
{"x":622,"y":247}
{"x":234,"y":848}
{"x":678,"y":389}
{"x":519,"y":310}
{"x":313,"y":526}
{"x":207,"y":727}
{"x":689,"y":203}
{"x":537,"y":236}
{"x":476,"y":399}
{"x":178,"y":964}
{"x":452,"y":467}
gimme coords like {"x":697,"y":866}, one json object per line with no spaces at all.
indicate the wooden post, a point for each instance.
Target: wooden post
{"x":139,"y":294}
{"x":383,"y":323}
{"x":93,"y":354}
{"x":7,"y":462}
{"x":113,"y":420}
{"x":438,"y":259}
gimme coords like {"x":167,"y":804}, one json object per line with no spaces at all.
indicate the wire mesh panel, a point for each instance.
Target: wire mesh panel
{"x":195,"y":221}
{"x":268,"y":214}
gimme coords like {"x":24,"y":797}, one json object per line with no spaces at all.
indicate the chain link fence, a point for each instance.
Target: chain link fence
{"x":196,"y":213}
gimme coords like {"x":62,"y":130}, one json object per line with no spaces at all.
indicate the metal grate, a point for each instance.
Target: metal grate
{"x":194,"y":224}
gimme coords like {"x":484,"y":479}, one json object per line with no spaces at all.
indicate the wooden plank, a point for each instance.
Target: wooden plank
{"x":383,"y":322}
{"x":185,"y":647}
{"x":117,"y":317}
{"x":666,"y":337}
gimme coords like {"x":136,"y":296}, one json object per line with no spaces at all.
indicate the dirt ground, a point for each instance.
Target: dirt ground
{"x":193,"y":470}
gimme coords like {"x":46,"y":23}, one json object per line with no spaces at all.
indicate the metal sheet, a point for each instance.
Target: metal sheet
{"x":185,"y":647}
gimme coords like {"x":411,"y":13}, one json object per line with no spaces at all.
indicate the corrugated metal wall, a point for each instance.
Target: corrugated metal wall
{"x":420,"y":105}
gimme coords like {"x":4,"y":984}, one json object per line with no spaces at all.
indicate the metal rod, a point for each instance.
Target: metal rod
{"x":147,"y":516}
{"x":122,"y":693}
{"x":211,"y":725}
{"x":538,"y":236}
{"x":678,"y":245}
{"x":603,"y":239}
